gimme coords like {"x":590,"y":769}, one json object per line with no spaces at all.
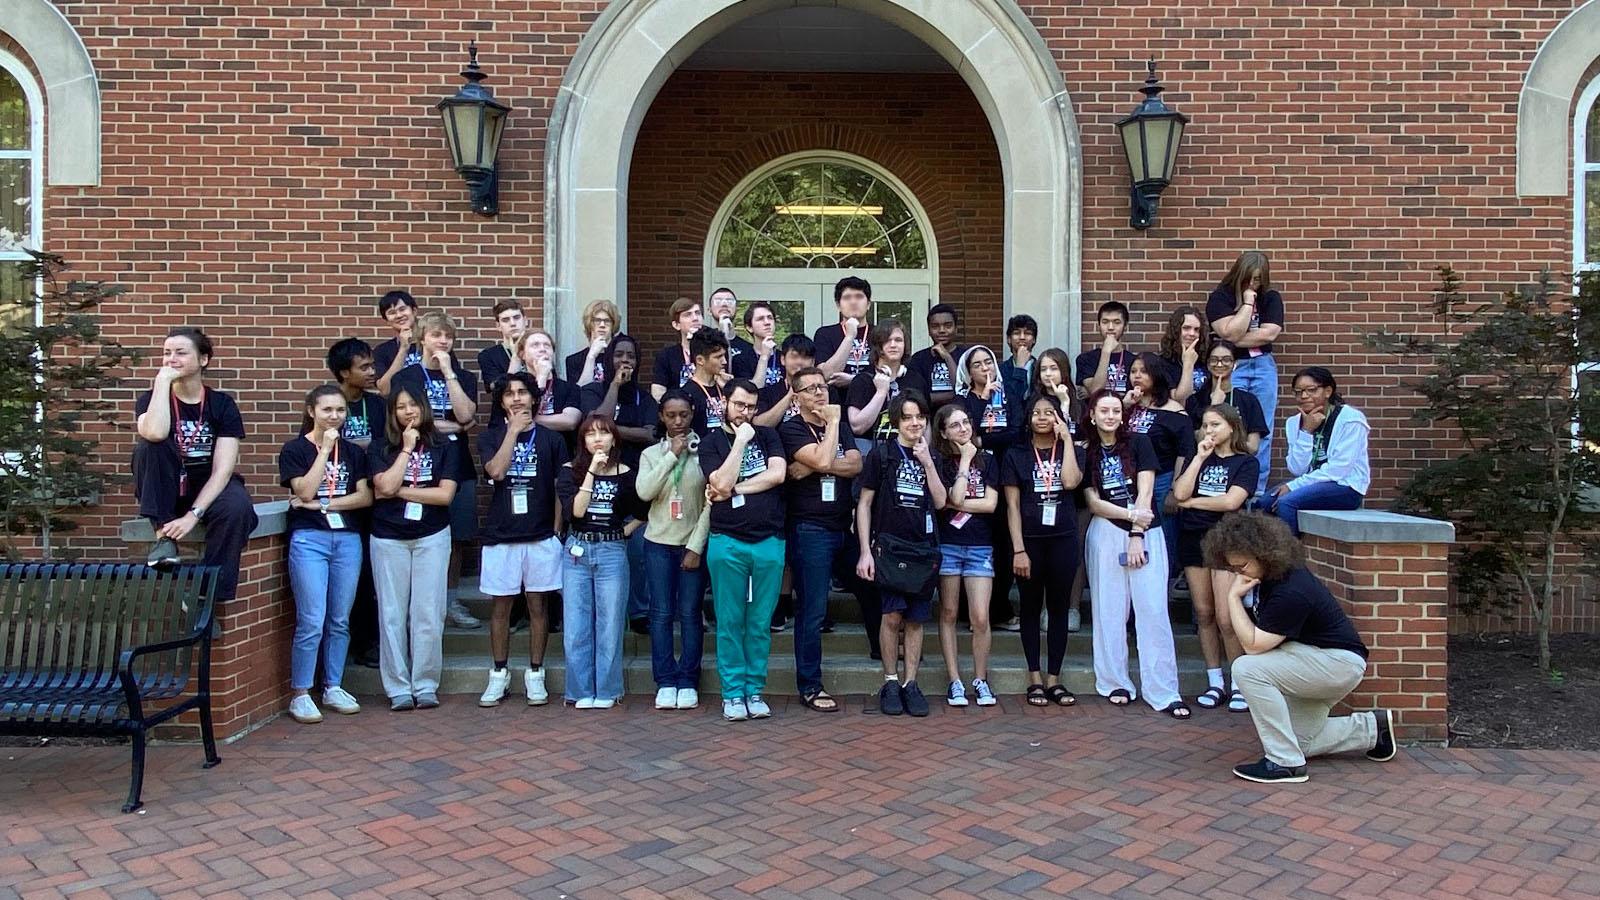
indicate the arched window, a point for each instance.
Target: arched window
{"x":21,"y":177}
{"x":1586,"y":205}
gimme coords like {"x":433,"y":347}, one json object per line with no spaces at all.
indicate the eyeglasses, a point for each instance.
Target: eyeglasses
{"x":1307,"y":392}
{"x":1236,"y":568}
{"x":1220,"y":361}
{"x":813,"y":389}
{"x":740,"y":404}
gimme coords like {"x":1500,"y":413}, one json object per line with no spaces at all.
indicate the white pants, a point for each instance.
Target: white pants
{"x":1290,"y":689}
{"x":1114,"y":589}
{"x":410,"y":579}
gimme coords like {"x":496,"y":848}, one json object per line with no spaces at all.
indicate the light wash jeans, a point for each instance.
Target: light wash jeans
{"x":409,"y":577}
{"x":594,"y":605}
{"x":324,"y":567}
{"x":1259,"y":376}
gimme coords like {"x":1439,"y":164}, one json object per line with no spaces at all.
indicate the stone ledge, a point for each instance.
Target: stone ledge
{"x":1371,"y":526}
{"x":272,"y":516}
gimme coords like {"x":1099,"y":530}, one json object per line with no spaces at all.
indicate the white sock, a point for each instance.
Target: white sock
{"x":1214,"y":676}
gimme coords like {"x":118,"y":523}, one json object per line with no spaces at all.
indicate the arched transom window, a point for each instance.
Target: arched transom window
{"x":822,"y":214}
{"x":21,"y":176}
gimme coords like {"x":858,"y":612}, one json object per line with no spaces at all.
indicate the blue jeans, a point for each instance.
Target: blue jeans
{"x":324,"y":567}
{"x":639,"y":588}
{"x":1169,"y":524}
{"x":812,"y":549}
{"x":1318,"y":495}
{"x":1259,"y":376}
{"x":594,"y":598}
{"x":675,"y":596}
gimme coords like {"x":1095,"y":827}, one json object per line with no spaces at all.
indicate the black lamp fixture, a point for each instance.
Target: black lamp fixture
{"x":1151,"y":136}
{"x":473,"y":124}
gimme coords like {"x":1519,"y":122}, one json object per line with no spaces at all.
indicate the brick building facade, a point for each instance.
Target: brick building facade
{"x":266,"y":171}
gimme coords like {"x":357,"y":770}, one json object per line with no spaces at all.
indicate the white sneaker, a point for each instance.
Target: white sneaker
{"x":339,"y":700}
{"x":533,"y":684}
{"x":957,"y":695}
{"x":984,"y":692}
{"x":688,"y":698}
{"x":499,"y":683}
{"x":460,"y":618}
{"x":666,"y":698}
{"x":583,"y":703}
{"x":604,"y":704}
{"x":304,"y":710}
{"x":758,"y":707}
{"x":1074,"y":620}
{"x":734,"y":709}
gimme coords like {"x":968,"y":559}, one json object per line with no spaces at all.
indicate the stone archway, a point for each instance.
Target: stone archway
{"x":635,"y":45}
{"x":1544,"y":109}
{"x":72,"y":94}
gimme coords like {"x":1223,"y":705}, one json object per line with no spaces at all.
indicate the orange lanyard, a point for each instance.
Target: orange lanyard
{"x":330,"y":474}
{"x":1048,"y":473}
{"x":186,"y":442}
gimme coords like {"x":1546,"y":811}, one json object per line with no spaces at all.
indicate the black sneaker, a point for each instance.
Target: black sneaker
{"x":163,"y":554}
{"x":915,"y":703}
{"x":1384,"y":749}
{"x":891,"y":702}
{"x":1268,"y":772}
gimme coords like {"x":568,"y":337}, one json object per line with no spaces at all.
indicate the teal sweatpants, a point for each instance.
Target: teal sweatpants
{"x":744,"y":586}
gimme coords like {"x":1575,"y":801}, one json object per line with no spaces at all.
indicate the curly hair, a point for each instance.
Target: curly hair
{"x":1261,"y":536}
{"x":1172,"y":337}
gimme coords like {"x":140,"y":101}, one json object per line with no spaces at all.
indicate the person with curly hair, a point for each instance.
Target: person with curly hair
{"x":1182,"y":345}
{"x":1302,"y":653}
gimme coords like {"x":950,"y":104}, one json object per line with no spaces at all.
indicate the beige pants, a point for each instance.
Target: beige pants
{"x":1291,"y":688}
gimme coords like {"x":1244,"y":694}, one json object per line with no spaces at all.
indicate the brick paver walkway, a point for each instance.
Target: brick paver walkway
{"x":549,"y":802}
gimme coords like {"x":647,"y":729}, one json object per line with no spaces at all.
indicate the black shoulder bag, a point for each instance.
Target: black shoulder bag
{"x":909,"y":568}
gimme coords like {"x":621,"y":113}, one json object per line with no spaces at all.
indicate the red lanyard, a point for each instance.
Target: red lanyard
{"x":1049,"y":474}
{"x":330,"y":475}
{"x":414,"y":465}
{"x":186,"y":442}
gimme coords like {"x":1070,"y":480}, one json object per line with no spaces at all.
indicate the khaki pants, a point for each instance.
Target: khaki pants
{"x":1291,"y":688}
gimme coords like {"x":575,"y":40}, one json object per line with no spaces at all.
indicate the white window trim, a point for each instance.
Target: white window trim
{"x":35,"y":153}
{"x":1582,"y":167}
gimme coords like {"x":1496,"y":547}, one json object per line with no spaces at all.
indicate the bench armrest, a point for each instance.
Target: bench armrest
{"x":201,"y":634}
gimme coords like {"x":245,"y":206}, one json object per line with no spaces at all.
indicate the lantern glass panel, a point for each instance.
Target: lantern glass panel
{"x":1133,"y":137}
{"x":1157,"y":137}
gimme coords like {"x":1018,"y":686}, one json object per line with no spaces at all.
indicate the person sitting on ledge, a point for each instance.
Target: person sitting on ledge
{"x":1301,"y":653}
{"x":184,"y":459}
{"x":1327,"y":451}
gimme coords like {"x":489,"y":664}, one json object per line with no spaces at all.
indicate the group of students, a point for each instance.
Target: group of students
{"x":758,"y":467}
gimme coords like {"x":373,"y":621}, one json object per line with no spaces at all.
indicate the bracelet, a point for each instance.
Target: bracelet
{"x":1019,"y":553}
{"x":584,"y":490}
{"x":1137,"y":534}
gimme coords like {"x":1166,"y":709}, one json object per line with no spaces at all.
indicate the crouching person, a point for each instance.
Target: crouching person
{"x":1302,"y":654}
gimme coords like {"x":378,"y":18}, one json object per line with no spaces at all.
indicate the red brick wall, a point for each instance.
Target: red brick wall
{"x":707,"y":131}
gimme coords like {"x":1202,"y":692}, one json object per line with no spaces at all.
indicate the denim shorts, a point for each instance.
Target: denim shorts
{"x":956,"y":559}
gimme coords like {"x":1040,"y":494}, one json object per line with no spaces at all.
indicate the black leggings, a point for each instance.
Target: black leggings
{"x":1054,"y":562}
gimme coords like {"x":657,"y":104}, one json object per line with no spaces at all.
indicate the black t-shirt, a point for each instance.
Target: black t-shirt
{"x":1300,"y":608}
{"x":996,"y":420}
{"x":860,"y":392}
{"x":384,"y":352}
{"x":673,"y":367}
{"x":493,"y":364}
{"x":420,"y":382}
{"x":963,"y":528}
{"x":1174,"y":370}
{"x":1171,"y":434}
{"x":743,"y":363}
{"x":758,"y":516}
{"x":427,"y":467}
{"x":1106,"y":472}
{"x":710,"y":406}
{"x":346,"y":469}
{"x":574,"y":364}
{"x":535,"y":459}
{"x":901,"y":505}
{"x":635,"y":409}
{"x":772,"y":394}
{"x":1037,"y":477}
{"x":366,"y":420}
{"x":1117,"y":370}
{"x":1217,"y":475}
{"x":194,"y":432}
{"x":829,"y":337}
{"x":805,"y":501}
{"x":613,"y":499}
{"x":935,"y":373}
{"x":1249,"y":408}
{"x":1269,"y":309}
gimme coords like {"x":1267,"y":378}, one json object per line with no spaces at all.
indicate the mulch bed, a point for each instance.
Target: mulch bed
{"x":1499,"y":699}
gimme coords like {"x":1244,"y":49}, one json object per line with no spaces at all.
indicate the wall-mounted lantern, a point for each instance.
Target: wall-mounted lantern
{"x":1151,"y":136}
{"x":473,"y":124}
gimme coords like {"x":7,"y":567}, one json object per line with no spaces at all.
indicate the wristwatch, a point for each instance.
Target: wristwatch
{"x":323,"y":503}
{"x":199,"y":513}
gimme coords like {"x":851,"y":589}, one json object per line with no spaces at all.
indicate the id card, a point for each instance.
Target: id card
{"x":737,"y":502}
{"x":960,"y":519}
{"x":928,"y":523}
{"x":1047,"y":514}
{"x":413,"y":511}
{"x":675,"y":507}
{"x":519,"y":502}
{"x":335,"y":521}
{"x":828,"y":488}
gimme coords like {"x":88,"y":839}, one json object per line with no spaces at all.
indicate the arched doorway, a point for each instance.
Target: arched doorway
{"x":635,"y":45}
{"x":795,"y":226}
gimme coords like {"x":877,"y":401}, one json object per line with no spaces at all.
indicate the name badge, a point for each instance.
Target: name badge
{"x":519,"y":502}
{"x":413,"y":511}
{"x":828,"y":488}
{"x":960,"y":519}
{"x":675,"y":507}
{"x":737,"y":502}
{"x":927,"y":525}
{"x":335,"y":520}
{"x":576,"y":550}
{"x":1047,"y":513}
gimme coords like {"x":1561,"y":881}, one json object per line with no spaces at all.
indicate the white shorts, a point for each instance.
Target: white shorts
{"x":509,"y":569}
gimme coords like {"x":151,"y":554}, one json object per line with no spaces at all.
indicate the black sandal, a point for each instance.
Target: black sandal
{"x":1119,"y":697}
{"x":1211,"y":699}
{"x":1177,"y":710}
{"x":815,"y":700}
{"x":1059,"y":695}
{"x":1036,"y":695}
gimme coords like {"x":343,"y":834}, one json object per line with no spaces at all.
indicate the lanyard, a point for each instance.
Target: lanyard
{"x":1049,"y":474}
{"x":186,"y":442}
{"x":330,"y":472}
{"x":706,"y":392}
{"x":414,"y":465}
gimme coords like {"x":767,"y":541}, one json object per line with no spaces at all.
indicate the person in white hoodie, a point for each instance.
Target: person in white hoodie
{"x":1327,"y":442}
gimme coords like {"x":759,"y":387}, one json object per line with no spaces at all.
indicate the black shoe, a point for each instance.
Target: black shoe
{"x":163,"y":554}
{"x":639,"y":626}
{"x":1268,"y":772}
{"x":827,"y":626}
{"x":368,"y":659}
{"x":916,"y":704}
{"x":1384,"y":749}
{"x":891,"y":702}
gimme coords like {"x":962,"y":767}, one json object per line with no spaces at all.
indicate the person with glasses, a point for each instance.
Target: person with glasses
{"x":1302,"y":654}
{"x":1219,"y":388}
{"x":1327,"y":451}
{"x":971,"y":479}
{"x":1247,"y":311}
{"x":601,"y":319}
{"x":1217,"y":482}
{"x":996,"y":425}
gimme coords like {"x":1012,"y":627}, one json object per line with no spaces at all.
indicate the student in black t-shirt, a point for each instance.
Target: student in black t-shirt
{"x":184,"y":460}
{"x":327,"y":479}
{"x":1039,"y":475}
{"x":1247,"y":312}
{"x":350,"y":362}
{"x":722,"y":311}
{"x":1219,"y":388}
{"x":901,"y":493}
{"x":867,"y":399}
{"x":618,"y":394}
{"x":971,"y":480}
{"x":558,"y":402}
{"x":777,"y":403}
{"x":673,"y":364}
{"x":710,"y":353}
{"x":414,"y":473}
{"x":1107,"y":366}
{"x":1127,"y":563}
{"x":399,"y":312}
{"x":1218,"y":481}
{"x":601,"y":505}
{"x":996,"y":425}
{"x":1301,"y":656}
{"x":937,"y":364}
{"x":494,"y":361}
{"x":760,"y":362}
{"x":1151,"y":411}
{"x":601,"y":319}
{"x":521,"y":555}
{"x":842,"y":349}
{"x":1184,"y":340}
{"x":1052,"y":376}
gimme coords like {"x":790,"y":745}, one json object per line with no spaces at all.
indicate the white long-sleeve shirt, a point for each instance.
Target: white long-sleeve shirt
{"x":1347,"y":453}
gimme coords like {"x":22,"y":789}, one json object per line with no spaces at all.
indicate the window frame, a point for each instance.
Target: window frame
{"x":1582,"y":167}
{"x":14,"y":67}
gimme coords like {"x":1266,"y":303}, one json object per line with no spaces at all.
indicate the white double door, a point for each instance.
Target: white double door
{"x":802,"y":299}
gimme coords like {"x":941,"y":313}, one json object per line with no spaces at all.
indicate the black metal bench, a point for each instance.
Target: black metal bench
{"x":91,"y":649}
